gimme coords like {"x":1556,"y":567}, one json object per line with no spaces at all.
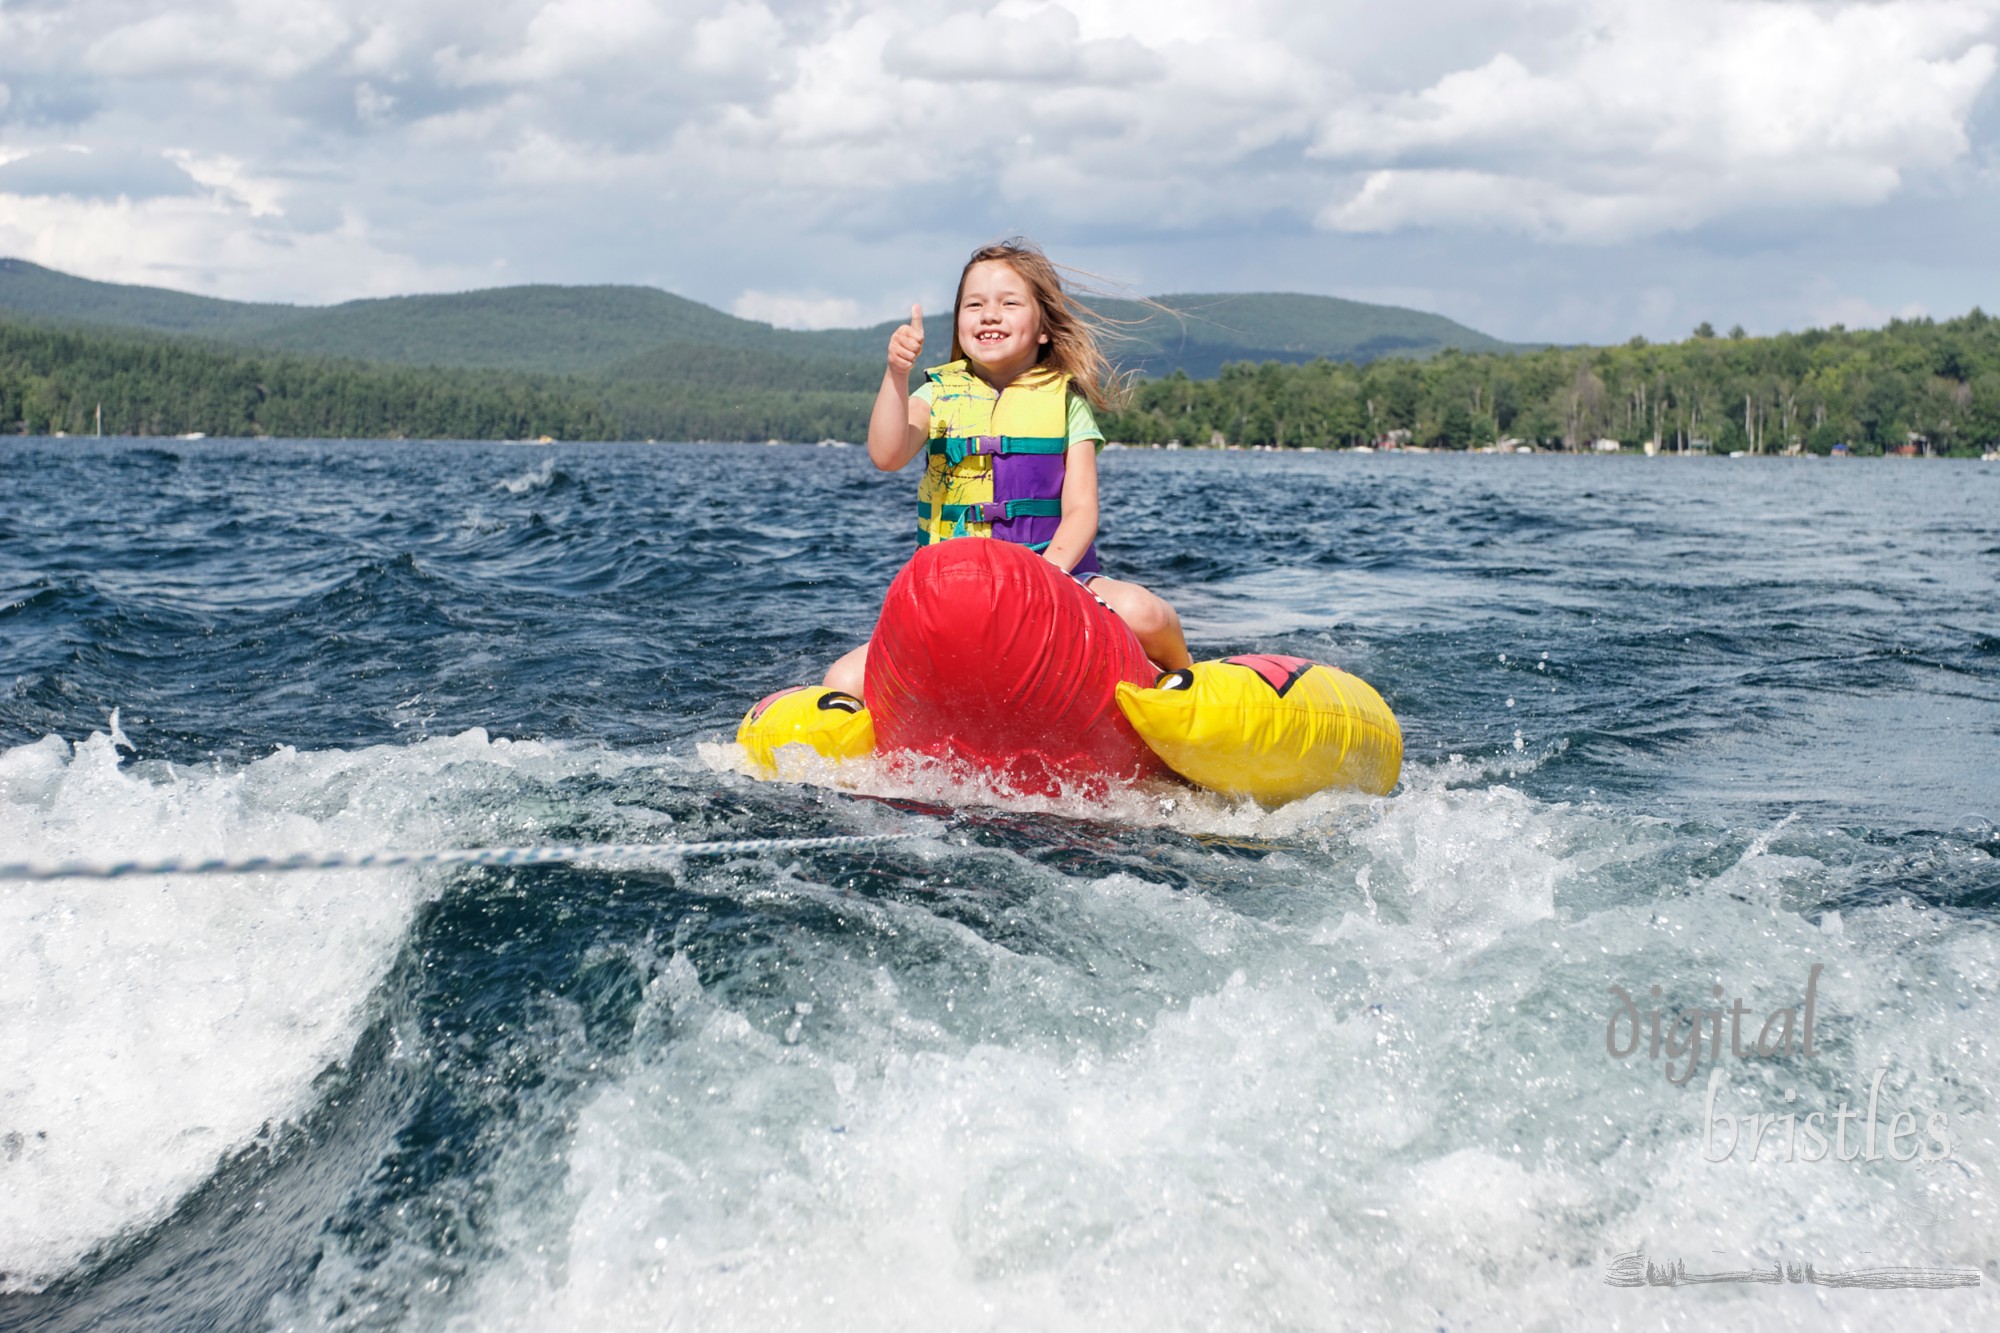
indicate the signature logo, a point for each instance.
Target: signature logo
{"x":1634,"y":1269}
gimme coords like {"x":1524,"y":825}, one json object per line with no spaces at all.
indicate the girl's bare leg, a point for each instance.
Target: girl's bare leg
{"x":845,"y":675}
{"x":1156,"y":624}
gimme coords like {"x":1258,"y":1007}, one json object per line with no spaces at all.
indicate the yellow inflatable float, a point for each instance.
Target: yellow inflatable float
{"x":828,"y":722}
{"x":1267,"y":727}
{"x":1274,"y":728}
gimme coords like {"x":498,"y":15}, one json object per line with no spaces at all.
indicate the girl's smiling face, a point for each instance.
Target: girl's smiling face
{"x":999,"y":321}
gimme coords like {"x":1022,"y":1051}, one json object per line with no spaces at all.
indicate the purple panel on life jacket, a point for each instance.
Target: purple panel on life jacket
{"x":1029,"y":476}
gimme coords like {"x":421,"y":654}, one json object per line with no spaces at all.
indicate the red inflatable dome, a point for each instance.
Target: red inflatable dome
{"x":988,"y":653}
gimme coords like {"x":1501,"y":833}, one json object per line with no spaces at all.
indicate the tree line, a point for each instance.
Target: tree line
{"x":57,"y":380}
{"x":1914,"y":383}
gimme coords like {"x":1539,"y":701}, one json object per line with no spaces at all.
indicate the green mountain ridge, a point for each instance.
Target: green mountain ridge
{"x":1912,"y":387}
{"x":621,"y":332}
{"x":31,"y":290}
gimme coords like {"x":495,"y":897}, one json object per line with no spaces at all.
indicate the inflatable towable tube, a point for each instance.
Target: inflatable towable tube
{"x":987,"y":654}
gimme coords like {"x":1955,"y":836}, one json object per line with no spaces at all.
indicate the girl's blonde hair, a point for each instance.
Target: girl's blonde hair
{"x":1073,"y":330}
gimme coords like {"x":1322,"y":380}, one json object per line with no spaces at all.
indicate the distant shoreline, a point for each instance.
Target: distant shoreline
{"x":1123,"y":446}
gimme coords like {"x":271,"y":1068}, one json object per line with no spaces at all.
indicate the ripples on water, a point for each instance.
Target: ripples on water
{"x":1161,"y":1062}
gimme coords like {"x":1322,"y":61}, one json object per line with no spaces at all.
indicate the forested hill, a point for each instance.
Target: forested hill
{"x":1915,"y":385}
{"x":1203,"y":333}
{"x":632,"y":363}
{"x":584,"y":330}
{"x":31,"y":290}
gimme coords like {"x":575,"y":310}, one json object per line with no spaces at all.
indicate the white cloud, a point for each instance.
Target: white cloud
{"x":741,"y":38}
{"x":203,"y":244}
{"x":1392,"y":200}
{"x":1660,"y":117}
{"x":972,"y":46}
{"x":229,"y":177}
{"x":371,"y":105}
{"x":799,"y":312}
{"x":568,"y":37}
{"x":382,"y":49}
{"x":254,"y":39}
{"x":736,"y":149}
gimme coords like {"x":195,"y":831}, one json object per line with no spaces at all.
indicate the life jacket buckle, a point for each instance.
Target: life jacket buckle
{"x":958,"y":448}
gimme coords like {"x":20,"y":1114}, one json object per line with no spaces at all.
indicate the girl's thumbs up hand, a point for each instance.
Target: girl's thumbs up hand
{"x":906,"y":344}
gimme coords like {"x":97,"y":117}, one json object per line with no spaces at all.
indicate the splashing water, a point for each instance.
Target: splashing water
{"x":1155,"y":1059}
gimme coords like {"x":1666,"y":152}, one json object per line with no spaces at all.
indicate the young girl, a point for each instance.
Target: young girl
{"x":1022,"y":353}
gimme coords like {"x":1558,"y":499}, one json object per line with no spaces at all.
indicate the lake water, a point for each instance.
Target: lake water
{"x":1162,"y":1061}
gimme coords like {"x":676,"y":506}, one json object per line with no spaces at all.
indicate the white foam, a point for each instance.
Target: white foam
{"x":1373,"y":1092}
{"x":1161,"y":803}
{"x":537,"y":478}
{"x":1164,"y":803}
{"x":152,"y":1027}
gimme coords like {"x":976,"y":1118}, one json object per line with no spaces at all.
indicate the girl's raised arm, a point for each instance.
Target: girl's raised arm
{"x":900,"y":424}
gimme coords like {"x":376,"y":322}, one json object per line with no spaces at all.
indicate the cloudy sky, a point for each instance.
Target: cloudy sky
{"x":1541,"y":169}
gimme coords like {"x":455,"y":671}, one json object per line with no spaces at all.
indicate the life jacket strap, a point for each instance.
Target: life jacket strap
{"x":991,"y":511}
{"x":957,"y":448}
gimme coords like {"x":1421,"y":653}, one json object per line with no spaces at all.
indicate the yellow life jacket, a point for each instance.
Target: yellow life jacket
{"x":990,"y":454}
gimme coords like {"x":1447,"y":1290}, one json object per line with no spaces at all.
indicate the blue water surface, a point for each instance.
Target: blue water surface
{"x":1759,"y":697}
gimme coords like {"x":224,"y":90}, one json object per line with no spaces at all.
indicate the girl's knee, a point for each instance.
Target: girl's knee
{"x":1146,"y":612}
{"x":1153,"y":621}
{"x":1150,"y":617}
{"x":847,"y":674}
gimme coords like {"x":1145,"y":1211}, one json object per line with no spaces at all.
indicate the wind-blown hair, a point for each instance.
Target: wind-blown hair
{"x":1074,"y":332}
